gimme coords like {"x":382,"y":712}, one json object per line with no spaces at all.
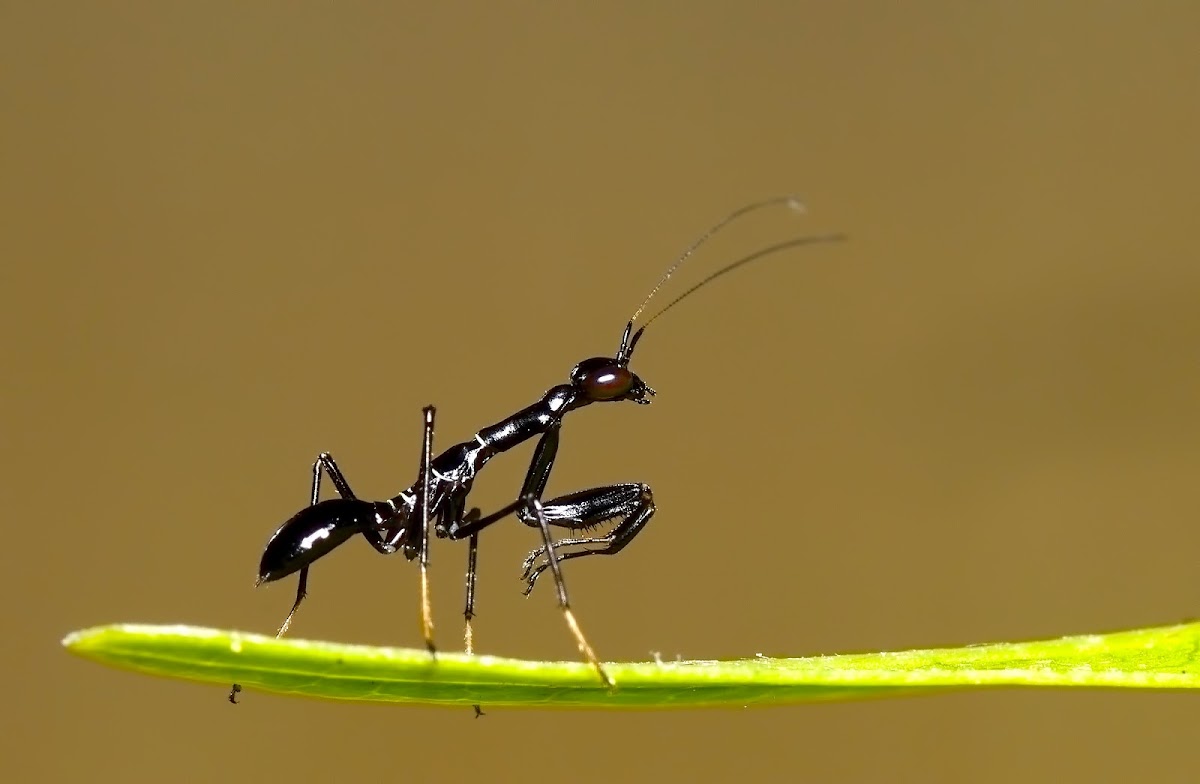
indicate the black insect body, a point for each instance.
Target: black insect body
{"x":437,"y":501}
{"x":402,"y":523}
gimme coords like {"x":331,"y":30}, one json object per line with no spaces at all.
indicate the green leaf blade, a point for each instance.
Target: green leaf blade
{"x":1165,"y":657}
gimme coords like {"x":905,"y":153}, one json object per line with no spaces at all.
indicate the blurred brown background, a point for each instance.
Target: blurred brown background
{"x":237,"y":234}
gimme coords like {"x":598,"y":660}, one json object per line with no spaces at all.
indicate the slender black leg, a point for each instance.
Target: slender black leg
{"x":426,"y":483}
{"x":324,"y":463}
{"x":301,"y":592}
{"x":632,"y":503}
{"x":529,"y":508}
{"x":534,"y":507}
{"x":469,"y":611}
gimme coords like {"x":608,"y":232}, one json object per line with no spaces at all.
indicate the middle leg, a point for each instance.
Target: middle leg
{"x":423,"y":502}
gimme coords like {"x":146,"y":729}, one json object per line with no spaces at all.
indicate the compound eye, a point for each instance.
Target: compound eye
{"x":607,"y":383}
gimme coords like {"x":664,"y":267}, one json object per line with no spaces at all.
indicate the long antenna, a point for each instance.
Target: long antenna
{"x":790,"y":200}
{"x":794,"y":243}
{"x":630,"y":338}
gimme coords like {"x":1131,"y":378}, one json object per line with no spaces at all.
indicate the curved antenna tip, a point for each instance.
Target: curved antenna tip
{"x":791,"y":201}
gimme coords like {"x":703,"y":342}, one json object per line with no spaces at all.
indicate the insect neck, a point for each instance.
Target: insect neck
{"x":530,"y":421}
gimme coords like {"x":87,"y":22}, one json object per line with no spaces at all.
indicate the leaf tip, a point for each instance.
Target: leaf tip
{"x":82,"y":640}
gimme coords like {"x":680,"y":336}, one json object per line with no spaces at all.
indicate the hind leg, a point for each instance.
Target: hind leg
{"x":324,"y":464}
